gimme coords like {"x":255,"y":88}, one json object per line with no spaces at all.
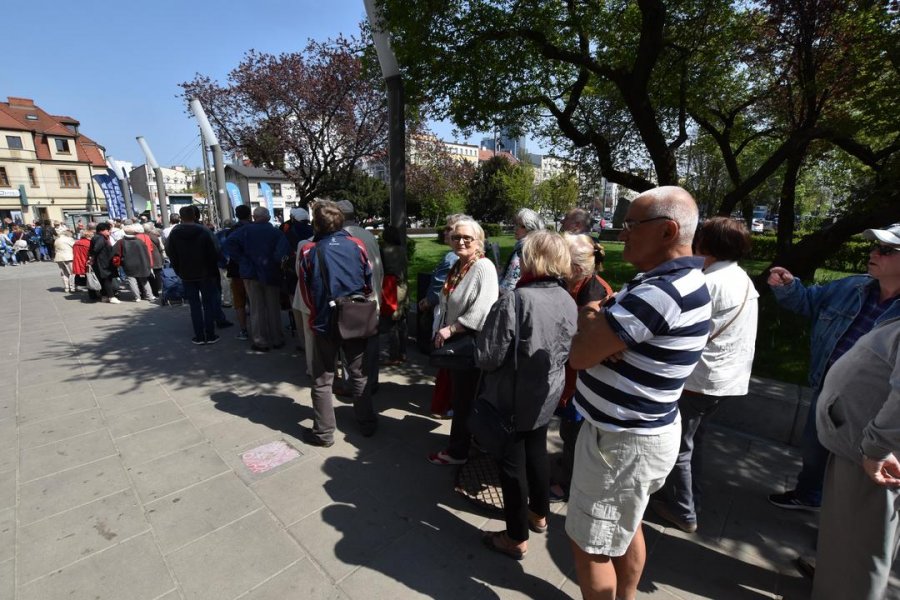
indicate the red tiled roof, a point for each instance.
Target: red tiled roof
{"x":13,"y":115}
{"x":486,"y":155}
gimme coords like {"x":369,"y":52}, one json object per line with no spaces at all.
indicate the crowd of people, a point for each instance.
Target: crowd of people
{"x":632,"y":375}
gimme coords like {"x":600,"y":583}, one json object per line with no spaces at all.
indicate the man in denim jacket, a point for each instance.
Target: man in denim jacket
{"x":841,"y":312}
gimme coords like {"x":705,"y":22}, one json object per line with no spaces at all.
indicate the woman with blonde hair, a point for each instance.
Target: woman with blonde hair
{"x":522,"y":350}
{"x":465,"y":300}
{"x":585,"y":286}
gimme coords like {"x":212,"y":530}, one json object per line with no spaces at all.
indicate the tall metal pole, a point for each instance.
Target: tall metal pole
{"x":390,"y":70}
{"x":218,"y":160}
{"x":160,"y":182}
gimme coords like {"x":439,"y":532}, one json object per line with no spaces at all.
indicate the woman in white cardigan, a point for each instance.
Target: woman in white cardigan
{"x":63,"y":255}
{"x":469,"y":292}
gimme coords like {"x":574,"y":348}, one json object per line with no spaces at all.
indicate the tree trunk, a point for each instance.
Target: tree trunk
{"x":787,"y":200}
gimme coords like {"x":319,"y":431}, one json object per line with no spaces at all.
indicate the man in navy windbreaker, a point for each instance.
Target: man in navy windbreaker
{"x":258,"y":248}
{"x":348,"y":272}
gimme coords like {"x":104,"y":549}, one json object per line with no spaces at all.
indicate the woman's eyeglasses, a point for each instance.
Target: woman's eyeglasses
{"x":885,"y":250}
{"x":465,"y":239}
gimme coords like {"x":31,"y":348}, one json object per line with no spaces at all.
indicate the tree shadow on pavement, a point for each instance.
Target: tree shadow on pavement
{"x":278,"y":413}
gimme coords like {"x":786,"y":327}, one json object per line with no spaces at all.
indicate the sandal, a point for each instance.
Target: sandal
{"x":497,"y":540}
{"x":537,"y":524}
{"x":443,"y":458}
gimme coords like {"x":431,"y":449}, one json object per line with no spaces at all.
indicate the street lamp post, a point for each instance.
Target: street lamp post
{"x":160,"y":182}
{"x":218,"y":161}
{"x":396,"y":122}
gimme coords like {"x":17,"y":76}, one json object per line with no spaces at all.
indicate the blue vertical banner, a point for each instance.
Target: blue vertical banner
{"x":234,"y":194}
{"x":266,"y":190}
{"x":115,"y":200}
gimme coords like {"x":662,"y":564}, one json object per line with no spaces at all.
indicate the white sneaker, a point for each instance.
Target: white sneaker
{"x":115,"y":301}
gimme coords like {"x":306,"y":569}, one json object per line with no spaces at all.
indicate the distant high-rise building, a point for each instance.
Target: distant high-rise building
{"x":505,"y":142}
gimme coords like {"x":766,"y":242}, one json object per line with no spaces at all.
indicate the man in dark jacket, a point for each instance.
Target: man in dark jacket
{"x":352,"y":227}
{"x":232,"y":271}
{"x":192,"y":249}
{"x":259,"y":250}
{"x":346,"y":272}
{"x":101,"y":262}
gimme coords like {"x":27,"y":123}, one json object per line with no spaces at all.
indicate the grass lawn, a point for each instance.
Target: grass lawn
{"x":782,"y":339}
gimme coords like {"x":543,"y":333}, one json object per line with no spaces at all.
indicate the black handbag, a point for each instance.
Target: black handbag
{"x":352,"y":317}
{"x":457,"y":352}
{"x":492,"y":423}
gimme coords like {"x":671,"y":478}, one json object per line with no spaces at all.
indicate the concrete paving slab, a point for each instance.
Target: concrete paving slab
{"x":117,"y":397}
{"x":9,"y":458}
{"x":9,"y":433}
{"x":301,"y":490}
{"x":342,"y":537}
{"x":8,"y":579}
{"x":143,"y":418}
{"x":52,"y":543}
{"x":53,"y":429}
{"x":7,"y":488}
{"x":35,"y":408}
{"x":133,"y":569}
{"x":176,"y":471}
{"x":300,"y":580}
{"x":233,"y":436}
{"x":182,"y":518}
{"x":234,"y":559}
{"x":67,"y":489}
{"x":150,"y":444}
{"x":51,"y":458}
{"x":8,"y":407}
{"x":7,"y":534}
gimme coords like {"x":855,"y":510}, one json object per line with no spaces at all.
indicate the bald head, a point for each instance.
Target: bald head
{"x":675,"y":203}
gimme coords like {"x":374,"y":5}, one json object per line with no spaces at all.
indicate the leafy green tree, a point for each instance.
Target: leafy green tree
{"x":370,"y":196}
{"x":557,"y":195}
{"x":499,"y":189}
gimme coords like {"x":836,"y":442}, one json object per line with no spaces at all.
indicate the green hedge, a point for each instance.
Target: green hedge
{"x":492,"y":229}
{"x":851,"y":257}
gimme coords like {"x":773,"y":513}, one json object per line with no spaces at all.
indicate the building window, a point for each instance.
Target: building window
{"x":68,"y":179}
{"x":276,"y":189}
{"x":32,"y":177}
{"x":14,"y":142}
{"x":62,"y":146}
{"x":4,"y":180}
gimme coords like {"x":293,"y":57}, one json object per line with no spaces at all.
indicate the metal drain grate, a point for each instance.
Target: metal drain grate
{"x":479,"y":481}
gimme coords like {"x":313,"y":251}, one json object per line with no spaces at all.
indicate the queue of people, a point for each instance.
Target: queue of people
{"x":633,"y":375}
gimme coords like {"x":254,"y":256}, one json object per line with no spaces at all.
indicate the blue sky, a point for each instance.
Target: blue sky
{"x":116,"y":66}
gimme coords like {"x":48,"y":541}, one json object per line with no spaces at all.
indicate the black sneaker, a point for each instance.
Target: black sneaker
{"x":243,"y":335}
{"x":790,"y":501}
{"x":198,"y":341}
{"x":212,"y":339}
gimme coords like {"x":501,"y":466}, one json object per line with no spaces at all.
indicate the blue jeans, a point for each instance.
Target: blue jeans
{"x":682,"y":488}
{"x":203,"y":299}
{"x":815,"y":459}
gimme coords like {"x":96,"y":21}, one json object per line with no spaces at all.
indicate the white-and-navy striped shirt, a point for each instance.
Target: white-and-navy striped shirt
{"x":663,"y":317}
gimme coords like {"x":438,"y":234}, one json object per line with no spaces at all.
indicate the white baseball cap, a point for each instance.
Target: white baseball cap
{"x":889,"y":236}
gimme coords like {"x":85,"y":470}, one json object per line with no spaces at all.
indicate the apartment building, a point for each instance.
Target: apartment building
{"x":47,"y":166}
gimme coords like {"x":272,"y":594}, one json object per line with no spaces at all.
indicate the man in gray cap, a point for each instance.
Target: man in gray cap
{"x":351,"y":226}
{"x":841,"y":312}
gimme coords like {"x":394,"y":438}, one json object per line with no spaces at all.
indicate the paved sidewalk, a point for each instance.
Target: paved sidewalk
{"x":121,"y":478}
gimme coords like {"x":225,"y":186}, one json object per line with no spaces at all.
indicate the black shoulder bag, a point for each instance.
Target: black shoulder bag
{"x":492,"y":427}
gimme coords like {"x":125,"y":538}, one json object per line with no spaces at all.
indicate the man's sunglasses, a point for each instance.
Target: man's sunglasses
{"x":885,"y":250}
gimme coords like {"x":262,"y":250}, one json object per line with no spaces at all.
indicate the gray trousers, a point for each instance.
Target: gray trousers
{"x":859,"y":529}
{"x":324,"y":358}
{"x":135,"y":284}
{"x":265,"y":314}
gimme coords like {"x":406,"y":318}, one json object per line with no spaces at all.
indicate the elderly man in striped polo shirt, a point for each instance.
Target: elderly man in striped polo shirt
{"x":656,"y":327}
